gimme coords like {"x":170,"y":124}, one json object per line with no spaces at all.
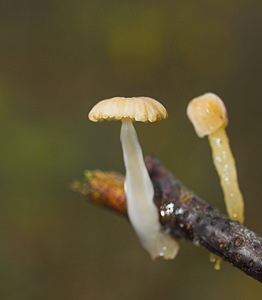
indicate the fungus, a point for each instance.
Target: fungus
{"x":139,"y":190}
{"x":209,"y":117}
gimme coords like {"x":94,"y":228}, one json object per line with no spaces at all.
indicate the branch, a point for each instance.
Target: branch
{"x":183,"y":214}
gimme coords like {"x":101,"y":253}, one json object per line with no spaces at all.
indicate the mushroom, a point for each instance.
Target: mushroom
{"x":209,"y":117}
{"x":139,"y":189}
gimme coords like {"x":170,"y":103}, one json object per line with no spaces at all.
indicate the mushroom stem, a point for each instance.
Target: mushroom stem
{"x":139,"y":190}
{"x":225,"y":165}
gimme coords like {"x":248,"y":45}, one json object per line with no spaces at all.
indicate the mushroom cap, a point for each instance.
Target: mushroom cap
{"x":207,"y":113}
{"x":141,"y":109}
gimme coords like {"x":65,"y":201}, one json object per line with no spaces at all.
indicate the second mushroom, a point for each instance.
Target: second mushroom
{"x":209,"y":117}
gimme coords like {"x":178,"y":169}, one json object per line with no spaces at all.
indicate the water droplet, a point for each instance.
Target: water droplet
{"x":234,"y":215}
{"x":179,"y":211}
{"x":170,"y":208}
{"x":218,"y":159}
{"x":218,"y":141}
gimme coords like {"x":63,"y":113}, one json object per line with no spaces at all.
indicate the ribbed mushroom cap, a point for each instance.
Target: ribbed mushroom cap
{"x":207,"y":113}
{"x":141,"y":109}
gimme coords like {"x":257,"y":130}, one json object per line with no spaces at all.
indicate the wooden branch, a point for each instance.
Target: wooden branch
{"x":182,"y":214}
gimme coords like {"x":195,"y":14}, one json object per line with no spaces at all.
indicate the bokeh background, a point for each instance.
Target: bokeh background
{"x":57,"y":59}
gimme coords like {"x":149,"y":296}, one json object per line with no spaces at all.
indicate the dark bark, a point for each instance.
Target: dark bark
{"x":183,"y":215}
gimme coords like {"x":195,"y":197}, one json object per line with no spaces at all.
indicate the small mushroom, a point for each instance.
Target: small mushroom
{"x":209,"y":117}
{"x":139,"y":190}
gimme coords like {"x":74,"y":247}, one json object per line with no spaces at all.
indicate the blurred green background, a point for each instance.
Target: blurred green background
{"x":57,"y":59}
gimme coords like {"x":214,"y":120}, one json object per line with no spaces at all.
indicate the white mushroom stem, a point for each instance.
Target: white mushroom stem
{"x":225,"y":165}
{"x":139,"y":190}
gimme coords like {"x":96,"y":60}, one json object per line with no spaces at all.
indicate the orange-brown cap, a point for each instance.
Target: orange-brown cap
{"x":207,"y":113}
{"x":141,"y":109}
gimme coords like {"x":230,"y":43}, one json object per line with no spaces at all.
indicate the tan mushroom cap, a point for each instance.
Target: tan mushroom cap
{"x":207,"y":113}
{"x":141,"y":109}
